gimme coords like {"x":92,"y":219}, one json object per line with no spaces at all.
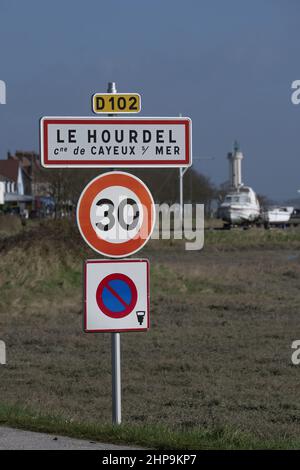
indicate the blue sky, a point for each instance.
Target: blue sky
{"x":228,"y":65}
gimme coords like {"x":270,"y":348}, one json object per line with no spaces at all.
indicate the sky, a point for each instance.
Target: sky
{"x":227,"y":65}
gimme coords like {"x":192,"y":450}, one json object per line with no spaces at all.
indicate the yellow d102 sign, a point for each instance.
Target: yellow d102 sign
{"x":116,"y":103}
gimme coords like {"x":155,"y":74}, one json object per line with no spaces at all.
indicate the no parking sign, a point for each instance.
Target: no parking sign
{"x":116,"y":295}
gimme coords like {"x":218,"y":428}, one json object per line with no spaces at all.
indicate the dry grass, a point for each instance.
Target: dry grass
{"x":217,"y":355}
{"x":9,"y":224}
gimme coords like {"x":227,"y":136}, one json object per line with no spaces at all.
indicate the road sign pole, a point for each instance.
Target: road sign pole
{"x":111,"y":88}
{"x":182,"y":171}
{"x":115,"y":345}
{"x":181,"y":194}
{"x":116,"y":378}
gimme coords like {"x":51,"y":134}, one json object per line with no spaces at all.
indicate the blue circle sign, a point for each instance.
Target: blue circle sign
{"x":116,"y":295}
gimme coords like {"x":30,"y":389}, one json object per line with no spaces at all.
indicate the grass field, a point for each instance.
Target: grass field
{"x":214,"y":371}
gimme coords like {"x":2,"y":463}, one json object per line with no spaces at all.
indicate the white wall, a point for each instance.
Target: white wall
{"x":2,"y":191}
{"x":20,"y":183}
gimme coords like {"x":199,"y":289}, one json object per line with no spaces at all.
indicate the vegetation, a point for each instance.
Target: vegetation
{"x":214,"y":371}
{"x":65,"y":185}
{"x":148,"y":436}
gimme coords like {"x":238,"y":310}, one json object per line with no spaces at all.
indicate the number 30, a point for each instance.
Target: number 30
{"x":108,"y":207}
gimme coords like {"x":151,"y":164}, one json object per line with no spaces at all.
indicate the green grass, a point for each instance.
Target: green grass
{"x":64,"y":278}
{"x":254,"y":238}
{"x":148,"y":436}
{"x":213,"y":372}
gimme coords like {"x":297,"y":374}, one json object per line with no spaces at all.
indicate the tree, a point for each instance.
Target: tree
{"x":65,"y":185}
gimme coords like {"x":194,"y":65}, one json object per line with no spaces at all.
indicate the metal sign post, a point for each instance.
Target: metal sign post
{"x":116,"y":211}
{"x":116,"y":377}
{"x":120,"y":302}
{"x":115,"y":347}
{"x":182,"y":171}
{"x":116,"y":299}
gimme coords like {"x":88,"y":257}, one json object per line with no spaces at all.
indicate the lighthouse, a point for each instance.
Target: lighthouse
{"x":235,"y":167}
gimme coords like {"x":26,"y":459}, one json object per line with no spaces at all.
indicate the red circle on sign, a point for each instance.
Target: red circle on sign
{"x":105,"y":284}
{"x":104,"y":247}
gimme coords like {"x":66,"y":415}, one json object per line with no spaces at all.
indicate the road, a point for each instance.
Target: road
{"x":15,"y":439}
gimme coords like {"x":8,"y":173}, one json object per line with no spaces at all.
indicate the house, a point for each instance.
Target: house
{"x":23,"y":187}
{"x":15,"y":185}
{"x":30,"y":162}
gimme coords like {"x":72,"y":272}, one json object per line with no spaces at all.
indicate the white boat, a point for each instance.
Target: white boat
{"x":240,"y":206}
{"x":277,"y":215}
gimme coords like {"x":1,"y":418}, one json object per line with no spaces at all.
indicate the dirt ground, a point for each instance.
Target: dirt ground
{"x":218,"y":353}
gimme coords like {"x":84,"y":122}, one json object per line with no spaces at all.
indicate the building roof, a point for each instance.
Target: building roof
{"x":9,"y":169}
{"x":26,"y":158}
{"x":29,"y":161}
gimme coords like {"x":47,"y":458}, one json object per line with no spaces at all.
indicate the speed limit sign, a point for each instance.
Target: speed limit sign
{"x":116,"y":214}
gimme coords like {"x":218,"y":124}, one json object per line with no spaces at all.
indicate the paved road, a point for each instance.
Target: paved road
{"x":15,"y":439}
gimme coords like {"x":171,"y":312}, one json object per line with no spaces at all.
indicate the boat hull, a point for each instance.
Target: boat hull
{"x":280,"y":215}
{"x":239,"y":215}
